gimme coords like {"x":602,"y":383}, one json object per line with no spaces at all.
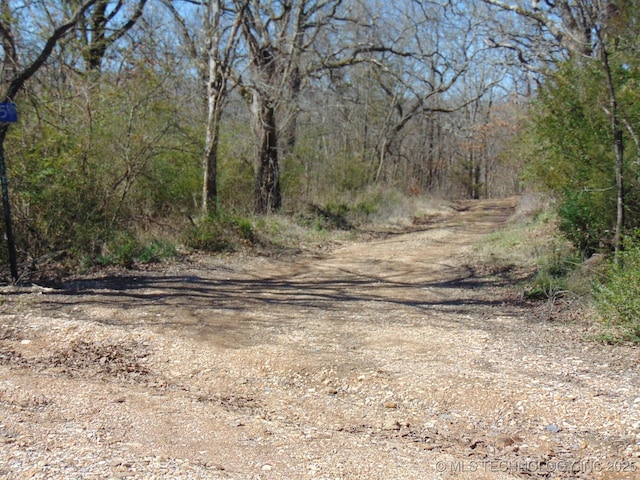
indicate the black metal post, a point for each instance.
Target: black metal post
{"x":7,"y":209}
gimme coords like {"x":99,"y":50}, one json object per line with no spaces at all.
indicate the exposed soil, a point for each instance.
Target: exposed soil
{"x":395,"y":358}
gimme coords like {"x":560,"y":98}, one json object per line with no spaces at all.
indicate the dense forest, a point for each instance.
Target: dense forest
{"x":147,"y":123}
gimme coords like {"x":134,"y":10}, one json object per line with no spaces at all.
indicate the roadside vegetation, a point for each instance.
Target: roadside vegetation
{"x":534,"y":254}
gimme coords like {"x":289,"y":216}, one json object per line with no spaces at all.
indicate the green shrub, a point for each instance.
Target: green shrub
{"x":208,"y":237}
{"x":122,"y":250}
{"x":157,"y":250}
{"x":244,"y":228}
{"x":585,"y":220}
{"x":332,"y":216}
{"x":617,"y":296}
{"x":117,"y":159}
{"x":125,"y":249}
{"x":235,"y":169}
{"x":220,"y":233}
{"x":569,"y":148}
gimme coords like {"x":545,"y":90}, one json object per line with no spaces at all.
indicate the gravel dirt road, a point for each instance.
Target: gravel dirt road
{"x":394,"y":358}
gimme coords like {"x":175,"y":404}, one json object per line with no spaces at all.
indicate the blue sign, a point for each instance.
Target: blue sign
{"x":8,"y":112}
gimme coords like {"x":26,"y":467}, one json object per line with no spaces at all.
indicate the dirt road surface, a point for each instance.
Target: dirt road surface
{"x":387,"y":359}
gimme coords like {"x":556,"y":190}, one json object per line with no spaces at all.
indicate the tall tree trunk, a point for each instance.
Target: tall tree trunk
{"x":97,"y":47}
{"x":210,"y":160}
{"x":216,"y":93}
{"x":268,"y":197}
{"x":215,"y":74}
{"x":267,"y":194}
{"x":290,"y":130}
{"x":618,"y":146}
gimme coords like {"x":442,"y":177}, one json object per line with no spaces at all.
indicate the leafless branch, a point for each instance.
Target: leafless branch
{"x":59,"y":32}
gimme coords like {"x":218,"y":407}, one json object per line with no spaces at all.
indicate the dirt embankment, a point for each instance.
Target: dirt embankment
{"x":390,"y":359}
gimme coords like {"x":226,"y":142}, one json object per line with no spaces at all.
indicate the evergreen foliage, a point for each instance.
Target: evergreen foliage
{"x":618,"y":294}
{"x":571,"y":157}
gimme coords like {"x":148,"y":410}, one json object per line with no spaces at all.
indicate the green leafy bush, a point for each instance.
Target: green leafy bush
{"x":570,"y":148}
{"x":220,"y":233}
{"x":585,"y":220}
{"x":235,"y":170}
{"x":85,"y":173}
{"x":157,"y":250}
{"x":125,"y":250}
{"x":122,"y":250}
{"x":617,"y":296}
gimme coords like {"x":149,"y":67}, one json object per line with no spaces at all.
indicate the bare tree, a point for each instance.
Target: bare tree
{"x":277,"y":34}
{"x":220,"y":54}
{"x":430,"y":58}
{"x":612,"y":111}
{"x":549,"y":25}
{"x":102,"y":25}
{"x":214,"y":51}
